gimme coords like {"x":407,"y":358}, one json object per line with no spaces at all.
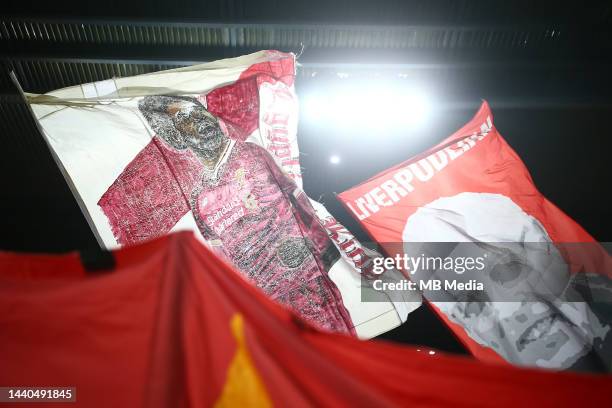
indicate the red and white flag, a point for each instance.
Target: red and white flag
{"x":212,"y":148}
{"x":473,"y":188}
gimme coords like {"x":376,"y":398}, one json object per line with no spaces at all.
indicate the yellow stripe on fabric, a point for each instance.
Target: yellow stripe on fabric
{"x":243,"y":386}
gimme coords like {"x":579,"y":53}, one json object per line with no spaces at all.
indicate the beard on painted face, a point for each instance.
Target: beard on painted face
{"x":201,"y":133}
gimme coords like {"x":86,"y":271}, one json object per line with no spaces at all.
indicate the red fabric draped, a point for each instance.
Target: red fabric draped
{"x":155,"y":331}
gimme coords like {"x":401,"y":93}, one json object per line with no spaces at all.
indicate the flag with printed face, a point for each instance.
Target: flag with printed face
{"x":210,"y":148}
{"x":518,"y":280}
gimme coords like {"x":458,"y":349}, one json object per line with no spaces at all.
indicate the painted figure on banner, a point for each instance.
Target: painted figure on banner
{"x":248,"y":209}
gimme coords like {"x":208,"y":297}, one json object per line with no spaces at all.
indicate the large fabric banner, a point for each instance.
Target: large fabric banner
{"x":210,"y":148}
{"x":537,"y":288}
{"x":172,"y":325}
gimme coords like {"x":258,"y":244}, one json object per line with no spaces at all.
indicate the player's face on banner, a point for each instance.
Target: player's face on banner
{"x":200,"y":131}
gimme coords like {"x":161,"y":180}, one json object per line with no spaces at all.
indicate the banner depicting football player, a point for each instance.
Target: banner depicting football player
{"x":210,"y":148}
{"x":536,"y":287}
{"x":243,"y":204}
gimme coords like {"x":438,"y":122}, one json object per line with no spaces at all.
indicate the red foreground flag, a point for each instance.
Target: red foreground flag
{"x":173,"y":325}
{"x":472,"y":188}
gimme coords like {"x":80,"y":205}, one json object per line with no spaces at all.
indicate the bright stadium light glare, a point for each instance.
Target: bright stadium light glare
{"x":345,"y":108}
{"x":382,"y":107}
{"x":416,"y":108}
{"x":334,"y":159}
{"x":406,"y":108}
{"x":315,"y":107}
